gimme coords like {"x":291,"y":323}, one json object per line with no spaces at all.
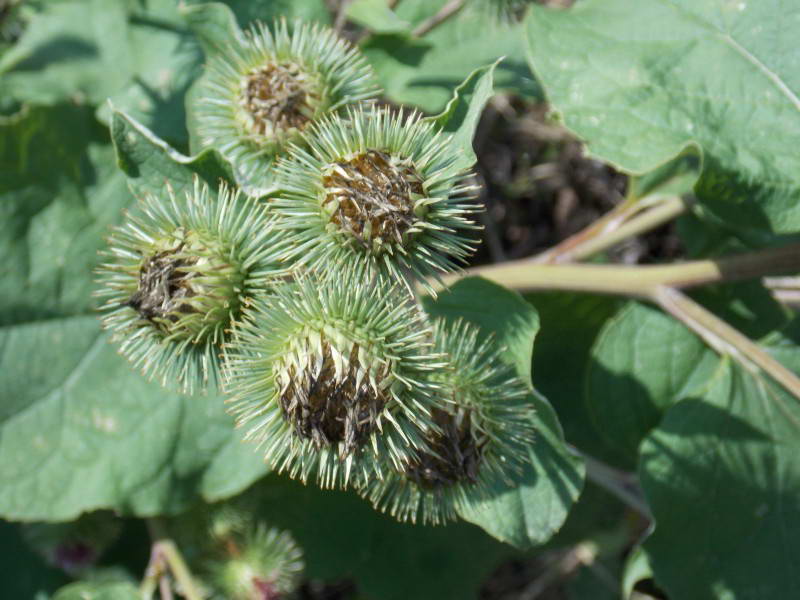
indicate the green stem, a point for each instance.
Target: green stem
{"x":341,"y":15}
{"x":447,"y":11}
{"x":166,"y":556}
{"x":664,"y":212}
{"x":724,"y":338}
{"x":179,"y":569}
{"x":636,"y":281}
{"x":563,"y":251}
{"x":622,"y":485}
{"x":659,"y":284}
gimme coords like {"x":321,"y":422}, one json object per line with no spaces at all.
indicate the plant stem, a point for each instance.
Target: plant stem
{"x":724,"y":338}
{"x":447,"y":11}
{"x":179,"y":569}
{"x":619,"y":483}
{"x":165,"y":555}
{"x":341,"y":15}
{"x":627,"y":220}
{"x":636,"y":281}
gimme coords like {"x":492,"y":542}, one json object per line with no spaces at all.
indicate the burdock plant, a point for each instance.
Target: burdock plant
{"x":379,"y":189}
{"x":265,"y":87}
{"x":179,"y":274}
{"x":481,"y":437}
{"x":327,"y":370}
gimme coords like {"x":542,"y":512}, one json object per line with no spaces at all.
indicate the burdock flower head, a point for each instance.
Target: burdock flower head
{"x":328,"y":368}
{"x":265,"y":87}
{"x":481,"y":439}
{"x":379,"y":189}
{"x":251,"y":560}
{"x":179,"y":274}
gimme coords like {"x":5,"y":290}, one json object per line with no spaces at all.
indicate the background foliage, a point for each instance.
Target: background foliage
{"x":687,"y":97}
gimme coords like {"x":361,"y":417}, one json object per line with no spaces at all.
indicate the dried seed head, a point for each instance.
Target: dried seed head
{"x":189,"y":288}
{"x":262,"y":90}
{"x":178,"y":276}
{"x":479,"y":439}
{"x":331,"y":406}
{"x":454,"y":452}
{"x":370,"y":197}
{"x":330,"y":370}
{"x":377,"y":189}
{"x":279,"y":97}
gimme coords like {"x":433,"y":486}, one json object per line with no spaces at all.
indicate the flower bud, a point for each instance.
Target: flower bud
{"x":263,"y":89}
{"x":480,"y":439}
{"x":379,"y":189}
{"x":235,"y":555}
{"x":330,"y":367}
{"x":252,"y":560}
{"x":180,"y":274}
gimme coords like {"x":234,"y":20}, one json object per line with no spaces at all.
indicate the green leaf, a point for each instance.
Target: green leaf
{"x":376,"y":16}
{"x":531,"y":509}
{"x":214,"y":24}
{"x":639,"y":79}
{"x":149,"y":162}
{"x":23,"y":574}
{"x":570,"y":324}
{"x":81,"y":430}
{"x":166,"y":60}
{"x":642,"y":362}
{"x":340,"y":533}
{"x":105,"y":590}
{"x":424,"y":72}
{"x":637,"y":568}
{"x":56,"y":207}
{"x":462,"y":114}
{"x":721,"y":475}
{"x":247,"y":11}
{"x":67,"y":51}
{"x":676,"y":177}
{"x":139,"y":55}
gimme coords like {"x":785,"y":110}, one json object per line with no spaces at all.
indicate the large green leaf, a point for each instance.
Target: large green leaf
{"x":166,"y":59}
{"x":639,"y":79}
{"x":721,"y":475}
{"x":529,"y":511}
{"x":341,"y":534}
{"x":423,"y":72}
{"x":67,"y":51}
{"x":150,"y":163}
{"x":376,"y":16}
{"x":140,"y":55}
{"x":570,"y":325}
{"x":79,"y":429}
{"x":642,"y":362}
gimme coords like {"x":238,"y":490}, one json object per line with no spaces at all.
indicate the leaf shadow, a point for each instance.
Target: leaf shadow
{"x":58,"y":50}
